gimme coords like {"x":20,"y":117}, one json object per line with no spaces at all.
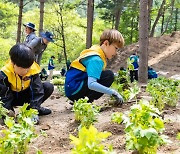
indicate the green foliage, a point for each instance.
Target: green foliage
{"x":178,"y":136}
{"x":123,"y":86}
{"x":17,"y":136}
{"x":89,"y":142}
{"x":144,"y":128}
{"x":164,"y":91}
{"x":8,"y":19}
{"x":3,"y":111}
{"x":130,"y":65}
{"x":117,"y":117}
{"x":85,"y":112}
{"x":58,"y":81}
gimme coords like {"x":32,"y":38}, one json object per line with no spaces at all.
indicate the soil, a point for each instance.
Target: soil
{"x":164,"y":57}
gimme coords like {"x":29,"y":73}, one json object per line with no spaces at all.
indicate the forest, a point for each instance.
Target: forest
{"x":68,"y":21}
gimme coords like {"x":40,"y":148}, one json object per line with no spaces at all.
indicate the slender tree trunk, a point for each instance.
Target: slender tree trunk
{"x":157,"y":18}
{"x":19,"y":21}
{"x":118,"y":11}
{"x":132,"y":28}
{"x":41,"y":16}
{"x":176,"y":20}
{"x":162,"y":24}
{"x":150,"y":3}
{"x":143,"y":41}
{"x":90,"y":15}
{"x":170,"y":17}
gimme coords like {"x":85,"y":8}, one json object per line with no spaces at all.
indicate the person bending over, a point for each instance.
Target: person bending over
{"x":87,"y":76}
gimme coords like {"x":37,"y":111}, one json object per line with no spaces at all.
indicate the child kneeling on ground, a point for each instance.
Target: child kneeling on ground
{"x":20,"y":82}
{"x":87,"y":76}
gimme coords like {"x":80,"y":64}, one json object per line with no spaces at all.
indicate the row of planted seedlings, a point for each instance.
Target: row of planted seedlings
{"x":19,"y":132}
{"x":144,"y":125}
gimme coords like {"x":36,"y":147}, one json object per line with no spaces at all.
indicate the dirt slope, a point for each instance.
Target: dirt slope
{"x":164,"y":54}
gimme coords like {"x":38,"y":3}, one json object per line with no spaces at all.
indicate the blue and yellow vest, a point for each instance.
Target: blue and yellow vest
{"x":77,"y":73}
{"x":94,"y":50}
{"x":18,"y":84}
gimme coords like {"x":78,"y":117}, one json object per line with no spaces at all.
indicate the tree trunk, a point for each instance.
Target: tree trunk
{"x":157,"y":18}
{"x":19,"y":22}
{"x":90,"y":14}
{"x":132,"y":28}
{"x":169,"y":18}
{"x":41,"y":16}
{"x":176,"y":20}
{"x":162,"y":24}
{"x":143,"y":42}
{"x":118,"y":11}
{"x":150,"y":3}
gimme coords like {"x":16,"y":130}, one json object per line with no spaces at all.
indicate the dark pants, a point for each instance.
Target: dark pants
{"x":106,"y":79}
{"x":134,"y":75}
{"x":24,"y":96}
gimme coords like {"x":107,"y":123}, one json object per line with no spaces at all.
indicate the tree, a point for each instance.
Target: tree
{"x":160,"y":13}
{"x":170,"y":17}
{"x":90,"y":14}
{"x":143,"y":41}
{"x":41,"y":19}
{"x":19,"y":21}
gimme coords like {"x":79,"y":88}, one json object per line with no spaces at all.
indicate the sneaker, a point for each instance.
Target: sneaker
{"x":43,"y":111}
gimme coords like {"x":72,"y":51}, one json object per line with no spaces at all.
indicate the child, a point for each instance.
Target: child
{"x":87,"y":76}
{"x":51,"y":67}
{"x":135,"y":63}
{"x":20,"y":82}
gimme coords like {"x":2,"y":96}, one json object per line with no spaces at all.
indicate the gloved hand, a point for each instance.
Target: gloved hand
{"x":118,"y":97}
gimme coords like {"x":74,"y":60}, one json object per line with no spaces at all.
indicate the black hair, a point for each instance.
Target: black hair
{"x":52,"y":57}
{"x":21,"y":55}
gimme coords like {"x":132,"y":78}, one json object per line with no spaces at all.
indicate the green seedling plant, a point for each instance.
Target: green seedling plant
{"x":85,"y":112}
{"x":58,"y":81}
{"x":164,"y":91}
{"x":117,"y":117}
{"x":17,"y":136}
{"x":124,"y":87}
{"x":144,"y":128}
{"x":61,"y":89}
{"x":3,"y":111}
{"x":89,"y":141}
{"x":178,"y":136}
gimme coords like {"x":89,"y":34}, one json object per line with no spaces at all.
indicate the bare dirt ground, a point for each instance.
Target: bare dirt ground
{"x":61,"y":123}
{"x":164,"y":57}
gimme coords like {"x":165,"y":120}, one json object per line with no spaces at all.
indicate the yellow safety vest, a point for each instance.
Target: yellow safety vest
{"x":18,"y":84}
{"x":94,"y":50}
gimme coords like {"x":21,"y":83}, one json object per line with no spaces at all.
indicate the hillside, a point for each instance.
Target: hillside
{"x":164,"y":55}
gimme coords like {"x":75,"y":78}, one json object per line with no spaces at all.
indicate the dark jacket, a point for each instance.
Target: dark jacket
{"x":8,"y":94}
{"x":38,"y":46}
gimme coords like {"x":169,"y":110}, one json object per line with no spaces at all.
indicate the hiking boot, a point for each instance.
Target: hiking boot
{"x":43,"y":111}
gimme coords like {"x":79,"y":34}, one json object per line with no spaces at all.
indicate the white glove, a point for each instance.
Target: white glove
{"x":118,"y":97}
